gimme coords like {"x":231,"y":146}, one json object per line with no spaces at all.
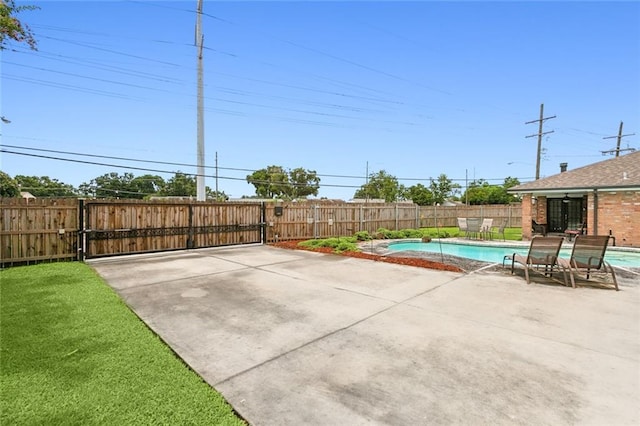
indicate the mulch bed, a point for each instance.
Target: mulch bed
{"x":400,"y":260}
{"x":435,"y":261}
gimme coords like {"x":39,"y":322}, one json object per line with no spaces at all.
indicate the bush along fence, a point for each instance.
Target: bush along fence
{"x":38,"y":230}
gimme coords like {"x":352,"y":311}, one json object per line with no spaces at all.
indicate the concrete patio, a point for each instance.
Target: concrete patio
{"x":293,"y":337}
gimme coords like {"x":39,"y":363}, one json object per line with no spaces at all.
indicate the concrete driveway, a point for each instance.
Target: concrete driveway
{"x":294,"y":337}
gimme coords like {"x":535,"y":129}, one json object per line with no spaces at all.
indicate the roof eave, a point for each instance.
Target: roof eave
{"x":574,"y":189}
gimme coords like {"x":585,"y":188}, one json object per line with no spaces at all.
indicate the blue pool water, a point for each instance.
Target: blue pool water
{"x":495,"y":254}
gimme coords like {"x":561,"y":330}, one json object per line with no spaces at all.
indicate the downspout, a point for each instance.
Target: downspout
{"x":595,"y":212}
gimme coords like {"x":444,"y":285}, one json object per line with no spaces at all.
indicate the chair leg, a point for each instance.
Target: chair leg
{"x":613,"y":274}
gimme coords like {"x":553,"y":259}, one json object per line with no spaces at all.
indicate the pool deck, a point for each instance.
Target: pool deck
{"x":291,"y":337}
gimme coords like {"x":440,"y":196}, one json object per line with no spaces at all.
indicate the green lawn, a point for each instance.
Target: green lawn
{"x":71,"y":352}
{"x":510,"y":234}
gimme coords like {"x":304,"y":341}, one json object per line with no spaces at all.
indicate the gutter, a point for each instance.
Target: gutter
{"x":573,"y":190}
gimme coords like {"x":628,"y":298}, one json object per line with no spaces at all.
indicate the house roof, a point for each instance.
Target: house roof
{"x":615,"y":173}
{"x":25,"y":194}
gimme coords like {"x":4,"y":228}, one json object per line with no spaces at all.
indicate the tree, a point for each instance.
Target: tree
{"x":180,"y":185}
{"x":510,"y":182}
{"x":11,"y":27}
{"x":481,"y":192}
{"x":111,"y":185}
{"x":443,"y":188}
{"x":147,"y":184}
{"x":8,"y":186}
{"x":420,"y":195}
{"x":275,"y":181}
{"x":381,"y":185}
{"x":303,"y":183}
{"x":44,"y":186}
{"x":216,"y":195}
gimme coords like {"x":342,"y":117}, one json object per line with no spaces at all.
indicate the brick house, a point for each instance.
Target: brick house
{"x":605,"y":196}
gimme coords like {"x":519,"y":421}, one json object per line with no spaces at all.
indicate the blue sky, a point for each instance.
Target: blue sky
{"x":413,"y":88}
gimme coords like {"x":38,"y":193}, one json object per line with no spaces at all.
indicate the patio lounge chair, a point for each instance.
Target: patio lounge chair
{"x":474,"y":227}
{"x":485,"y":229}
{"x":538,"y":228}
{"x":587,"y":256}
{"x":571,"y":232}
{"x":500,"y":230}
{"x":542,"y":257}
{"x":462,"y":225}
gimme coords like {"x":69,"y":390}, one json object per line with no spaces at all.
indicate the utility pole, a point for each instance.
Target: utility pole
{"x":620,"y":136}
{"x":216,"y":174}
{"x":540,"y":133}
{"x":200,"y":194}
{"x":466,"y":187}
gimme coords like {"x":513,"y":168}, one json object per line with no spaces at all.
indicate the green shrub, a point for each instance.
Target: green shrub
{"x":363,"y":236}
{"x":389,"y":234}
{"x":344,"y":245}
{"x":338,"y":244}
{"x":411,"y":233}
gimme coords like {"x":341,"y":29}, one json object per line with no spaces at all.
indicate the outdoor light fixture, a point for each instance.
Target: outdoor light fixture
{"x":566,"y":198}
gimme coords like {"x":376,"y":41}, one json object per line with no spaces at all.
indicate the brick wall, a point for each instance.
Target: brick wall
{"x":618,"y":212}
{"x":527,"y":211}
{"x":541,"y":210}
{"x":533,"y":208}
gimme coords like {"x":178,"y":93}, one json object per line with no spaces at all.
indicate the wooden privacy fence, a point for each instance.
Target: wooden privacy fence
{"x":69,"y":229}
{"x":305,"y":220}
{"x":35,"y":230}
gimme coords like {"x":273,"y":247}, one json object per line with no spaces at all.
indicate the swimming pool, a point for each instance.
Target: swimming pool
{"x":495,"y":254}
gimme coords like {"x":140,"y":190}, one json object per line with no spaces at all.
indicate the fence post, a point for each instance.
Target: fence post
{"x":263,"y":222}
{"x":315,"y":221}
{"x":81,"y":233}
{"x":396,"y":212}
{"x":190,"y":238}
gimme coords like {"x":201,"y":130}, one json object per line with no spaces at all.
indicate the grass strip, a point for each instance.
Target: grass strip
{"x":510,"y":234}
{"x":71,"y":352}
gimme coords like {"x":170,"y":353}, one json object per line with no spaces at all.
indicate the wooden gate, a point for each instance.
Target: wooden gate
{"x":38,"y":230}
{"x":128,"y":227}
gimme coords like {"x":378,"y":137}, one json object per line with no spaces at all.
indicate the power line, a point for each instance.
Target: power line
{"x":403,"y":179}
{"x":115,"y":52}
{"x":53,"y":151}
{"x":65,"y":86}
{"x":120,"y":166}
